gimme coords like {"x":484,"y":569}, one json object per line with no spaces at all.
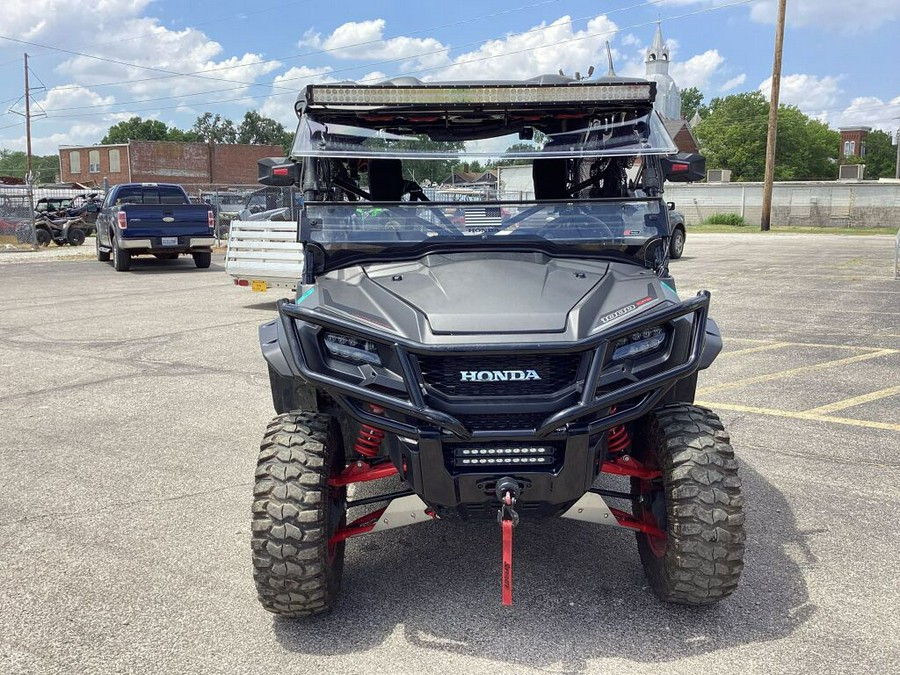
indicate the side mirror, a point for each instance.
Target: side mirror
{"x":685,"y":167}
{"x":671,"y":205}
{"x":278,"y":171}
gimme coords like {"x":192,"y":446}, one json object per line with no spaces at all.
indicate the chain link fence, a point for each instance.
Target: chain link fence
{"x":17,"y":231}
{"x":33,"y":217}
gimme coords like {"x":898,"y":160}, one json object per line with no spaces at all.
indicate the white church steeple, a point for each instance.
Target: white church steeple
{"x":668,"y":98}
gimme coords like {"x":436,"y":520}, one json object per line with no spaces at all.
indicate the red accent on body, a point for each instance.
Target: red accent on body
{"x":628,"y":466}
{"x":368,"y":440}
{"x":361,"y":525}
{"x":362,"y":472}
{"x":506,"y":581}
{"x":627,"y":520}
{"x":644,"y":301}
{"x":280,"y":171}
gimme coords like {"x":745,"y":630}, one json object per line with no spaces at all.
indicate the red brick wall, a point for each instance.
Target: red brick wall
{"x":858,"y":136}
{"x":164,"y":162}
{"x":84,"y":175}
{"x":236,"y":164}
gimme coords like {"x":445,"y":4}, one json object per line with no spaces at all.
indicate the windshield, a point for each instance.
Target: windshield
{"x":359,"y":229}
{"x":607,"y":136}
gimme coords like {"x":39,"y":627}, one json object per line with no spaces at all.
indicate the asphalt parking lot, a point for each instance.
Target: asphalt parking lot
{"x":131,"y":409}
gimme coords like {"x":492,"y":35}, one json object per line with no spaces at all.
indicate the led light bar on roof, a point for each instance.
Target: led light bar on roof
{"x":374,"y":95}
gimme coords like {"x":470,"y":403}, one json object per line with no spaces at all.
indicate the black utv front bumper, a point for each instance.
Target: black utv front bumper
{"x":451,"y":444}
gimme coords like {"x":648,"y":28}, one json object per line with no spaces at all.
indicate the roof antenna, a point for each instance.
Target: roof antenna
{"x":561,"y":73}
{"x":612,"y":71}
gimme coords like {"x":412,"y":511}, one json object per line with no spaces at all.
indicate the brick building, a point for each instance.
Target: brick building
{"x":853,"y":141}
{"x":164,"y":162}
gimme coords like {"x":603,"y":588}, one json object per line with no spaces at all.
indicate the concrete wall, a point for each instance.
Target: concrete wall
{"x":821,"y":204}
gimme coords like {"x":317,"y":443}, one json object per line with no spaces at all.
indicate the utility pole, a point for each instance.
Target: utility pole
{"x":897,"y":172}
{"x":766,"y":221}
{"x":27,"y":124}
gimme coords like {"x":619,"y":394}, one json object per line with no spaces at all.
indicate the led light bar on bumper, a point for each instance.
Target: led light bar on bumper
{"x":503,"y":456}
{"x":321,"y":96}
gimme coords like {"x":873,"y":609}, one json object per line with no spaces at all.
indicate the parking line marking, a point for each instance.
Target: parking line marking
{"x":856,"y":400}
{"x":752,"y":350}
{"x":796,"y":371}
{"x":807,"y":344}
{"x":800,"y":415}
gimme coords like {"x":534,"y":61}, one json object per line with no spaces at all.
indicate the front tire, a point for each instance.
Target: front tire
{"x":102,"y":256}
{"x":676,"y":243}
{"x":202,"y":259}
{"x":42,"y":237}
{"x":697,"y":502}
{"x":295,"y":513}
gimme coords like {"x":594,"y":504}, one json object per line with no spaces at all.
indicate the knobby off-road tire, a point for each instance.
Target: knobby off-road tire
{"x":697,"y":502}
{"x":295,"y":512}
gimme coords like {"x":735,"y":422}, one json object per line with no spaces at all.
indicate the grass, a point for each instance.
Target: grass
{"x":789,"y":229}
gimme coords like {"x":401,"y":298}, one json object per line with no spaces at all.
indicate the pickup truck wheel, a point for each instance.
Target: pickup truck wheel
{"x":76,"y":237}
{"x":295,"y":512}
{"x":202,"y":259}
{"x":102,"y":256}
{"x":676,"y":245}
{"x":697,"y":502}
{"x":121,"y":259}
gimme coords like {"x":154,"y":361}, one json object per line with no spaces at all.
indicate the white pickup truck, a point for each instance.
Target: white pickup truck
{"x":264,"y":254}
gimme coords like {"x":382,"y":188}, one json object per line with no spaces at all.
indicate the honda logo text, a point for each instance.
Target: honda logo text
{"x":497,"y":375}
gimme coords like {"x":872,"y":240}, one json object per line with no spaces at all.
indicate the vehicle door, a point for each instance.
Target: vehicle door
{"x":104,"y":219}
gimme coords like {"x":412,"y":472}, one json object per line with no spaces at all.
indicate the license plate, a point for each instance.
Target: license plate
{"x":258,"y":285}
{"x":170,"y":241}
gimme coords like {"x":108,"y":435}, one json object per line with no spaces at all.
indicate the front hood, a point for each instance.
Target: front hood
{"x":491,"y":294}
{"x":448,"y":298}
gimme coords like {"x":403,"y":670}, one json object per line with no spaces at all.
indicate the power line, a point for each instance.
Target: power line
{"x":363,"y":44}
{"x":330,"y":73}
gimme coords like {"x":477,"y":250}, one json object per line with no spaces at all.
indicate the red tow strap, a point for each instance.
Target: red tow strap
{"x":506,"y":582}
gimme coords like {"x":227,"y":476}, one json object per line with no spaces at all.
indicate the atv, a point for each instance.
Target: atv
{"x":492,"y":359}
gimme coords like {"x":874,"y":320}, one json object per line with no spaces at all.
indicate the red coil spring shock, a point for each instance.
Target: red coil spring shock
{"x":368,"y":440}
{"x":618,"y":440}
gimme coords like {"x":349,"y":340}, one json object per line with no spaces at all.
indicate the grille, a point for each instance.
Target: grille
{"x":444,"y":373}
{"x":503,"y":421}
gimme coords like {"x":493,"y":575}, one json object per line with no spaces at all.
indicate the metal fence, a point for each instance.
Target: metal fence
{"x":32,"y":217}
{"x":17,"y":218}
{"x":818,"y":204}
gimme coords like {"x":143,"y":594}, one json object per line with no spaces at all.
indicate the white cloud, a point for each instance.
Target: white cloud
{"x":839,"y":15}
{"x":870,"y":111}
{"x":364,"y":40}
{"x":697,"y":70}
{"x":144,"y":42}
{"x":733,"y":83}
{"x":280,"y":104}
{"x":544,"y":49}
{"x":814,"y":95}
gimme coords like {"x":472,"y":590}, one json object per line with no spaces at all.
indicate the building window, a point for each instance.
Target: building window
{"x":849,"y":148}
{"x":115,"y":164}
{"x":862,"y":149}
{"x":74,"y":162}
{"x":94,"y":161}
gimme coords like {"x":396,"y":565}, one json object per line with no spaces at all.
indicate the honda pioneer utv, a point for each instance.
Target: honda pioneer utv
{"x":495,"y":356}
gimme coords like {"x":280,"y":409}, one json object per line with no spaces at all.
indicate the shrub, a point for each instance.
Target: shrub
{"x":732,"y":219}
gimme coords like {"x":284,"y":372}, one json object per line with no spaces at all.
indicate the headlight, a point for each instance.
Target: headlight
{"x":639,"y":343}
{"x":352,"y":349}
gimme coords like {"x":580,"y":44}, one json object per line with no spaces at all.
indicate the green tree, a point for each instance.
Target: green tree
{"x":44,"y":167}
{"x":881,"y":156}
{"x":692,"y":102}
{"x":733,"y":136}
{"x":214,"y":129}
{"x":518,"y":147}
{"x":137,"y":129}
{"x":259,"y":130}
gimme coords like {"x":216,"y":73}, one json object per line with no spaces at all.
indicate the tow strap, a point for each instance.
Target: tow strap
{"x":508,"y":518}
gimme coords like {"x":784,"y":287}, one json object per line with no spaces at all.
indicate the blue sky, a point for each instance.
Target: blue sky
{"x":173,"y":60}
